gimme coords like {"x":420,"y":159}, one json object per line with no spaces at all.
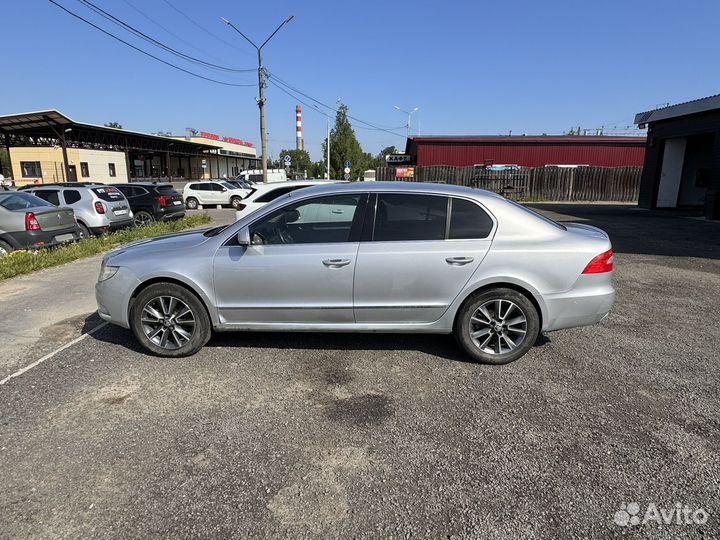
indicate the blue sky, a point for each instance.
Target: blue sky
{"x":472,"y":67}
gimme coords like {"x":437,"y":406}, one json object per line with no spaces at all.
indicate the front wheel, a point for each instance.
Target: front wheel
{"x":191,"y":203}
{"x":169,"y":320}
{"x":497,"y":326}
{"x":236,"y":202}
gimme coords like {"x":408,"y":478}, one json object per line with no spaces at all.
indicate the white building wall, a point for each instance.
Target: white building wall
{"x":99,"y":169}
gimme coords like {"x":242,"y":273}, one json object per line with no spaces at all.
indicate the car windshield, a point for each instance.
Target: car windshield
{"x":165,"y":189}
{"x":21,"y":201}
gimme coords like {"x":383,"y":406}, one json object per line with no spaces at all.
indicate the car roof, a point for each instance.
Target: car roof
{"x":144,"y":184}
{"x":79,"y":186}
{"x":390,"y":187}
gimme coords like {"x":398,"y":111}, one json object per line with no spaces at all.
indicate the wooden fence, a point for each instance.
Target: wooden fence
{"x":536,"y":184}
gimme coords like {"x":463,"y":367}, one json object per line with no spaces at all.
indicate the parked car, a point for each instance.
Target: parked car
{"x":256,"y":175}
{"x":210,"y":192}
{"x":151,"y":202}
{"x":28,"y":222}
{"x":366,"y":257}
{"x":265,"y":193}
{"x":98,"y":208}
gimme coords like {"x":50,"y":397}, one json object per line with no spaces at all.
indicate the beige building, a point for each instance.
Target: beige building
{"x":43,"y":165}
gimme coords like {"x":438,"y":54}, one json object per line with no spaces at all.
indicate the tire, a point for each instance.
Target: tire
{"x":487,"y":337}
{"x":191,"y":203}
{"x":84,"y":231}
{"x":5,"y":249}
{"x":169,"y":340}
{"x":143,"y":218}
{"x":235,"y":202}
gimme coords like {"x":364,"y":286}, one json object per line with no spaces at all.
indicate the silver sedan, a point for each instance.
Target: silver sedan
{"x":366,"y":257}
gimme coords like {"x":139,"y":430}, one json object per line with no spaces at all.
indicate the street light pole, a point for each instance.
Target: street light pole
{"x":328,"y":146}
{"x":409,"y":113}
{"x":261,"y":87}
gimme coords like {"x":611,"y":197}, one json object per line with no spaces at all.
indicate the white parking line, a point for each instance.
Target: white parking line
{"x":50,"y":355}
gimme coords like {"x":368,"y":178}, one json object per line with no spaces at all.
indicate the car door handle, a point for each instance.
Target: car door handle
{"x":459,"y":261}
{"x":338,"y":211}
{"x":336,"y":263}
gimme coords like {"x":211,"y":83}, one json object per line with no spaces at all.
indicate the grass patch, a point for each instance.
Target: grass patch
{"x":23,"y":262}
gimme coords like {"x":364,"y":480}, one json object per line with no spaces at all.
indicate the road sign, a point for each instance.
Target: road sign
{"x":347,"y":176}
{"x":287,"y":159}
{"x":346,"y":170}
{"x":347,"y":165}
{"x":204,"y":164}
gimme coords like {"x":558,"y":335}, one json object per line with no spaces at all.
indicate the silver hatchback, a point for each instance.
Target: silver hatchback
{"x":378,"y":257}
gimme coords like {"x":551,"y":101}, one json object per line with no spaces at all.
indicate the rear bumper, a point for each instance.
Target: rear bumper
{"x":170,"y":213}
{"x":588,"y":302}
{"x":112,"y":226}
{"x":41,"y":239}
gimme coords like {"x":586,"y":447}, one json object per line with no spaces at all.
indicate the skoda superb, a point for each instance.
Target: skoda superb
{"x":366,"y":257}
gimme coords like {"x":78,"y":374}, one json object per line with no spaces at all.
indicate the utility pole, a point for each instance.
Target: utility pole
{"x":328,"y":147}
{"x":261,"y":87}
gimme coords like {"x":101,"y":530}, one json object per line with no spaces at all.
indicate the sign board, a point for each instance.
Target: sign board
{"x":398,"y":158}
{"x":405,"y":172}
{"x":204,"y":164}
{"x":347,"y":165}
{"x":346,"y":170}
{"x":287,"y":159}
{"x":347,"y":176}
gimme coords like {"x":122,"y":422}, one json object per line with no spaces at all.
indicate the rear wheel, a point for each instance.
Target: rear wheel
{"x":5,"y":249}
{"x":169,"y":320}
{"x":84,"y":231}
{"x":143,"y":218}
{"x":497,"y":326}
{"x":235,"y":201}
{"x":191,"y":203}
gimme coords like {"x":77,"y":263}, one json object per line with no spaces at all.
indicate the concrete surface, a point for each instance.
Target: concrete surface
{"x":365,"y":436}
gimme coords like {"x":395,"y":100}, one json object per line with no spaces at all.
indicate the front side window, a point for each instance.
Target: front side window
{"x":322,"y":220}
{"x":84,"y":169}
{"x":406,"y":217}
{"x":50,"y":195}
{"x":468,"y":220}
{"x":31,"y":169}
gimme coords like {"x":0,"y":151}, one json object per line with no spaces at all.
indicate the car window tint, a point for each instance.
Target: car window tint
{"x":321,"y":220}
{"x":126,"y":190}
{"x":71,"y":196}
{"x":109,"y":193}
{"x":274,"y":194}
{"x":403,"y":217}
{"x":21,"y":201}
{"x":50,"y":195}
{"x":468,"y":220}
{"x":165,"y":190}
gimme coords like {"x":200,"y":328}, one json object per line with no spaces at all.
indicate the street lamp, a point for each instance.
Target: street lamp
{"x":409,"y":113}
{"x":261,"y":86}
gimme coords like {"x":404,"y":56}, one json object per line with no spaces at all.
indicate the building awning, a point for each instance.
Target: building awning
{"x":681,"y":109}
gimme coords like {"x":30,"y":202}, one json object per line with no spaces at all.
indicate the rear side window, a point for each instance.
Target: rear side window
{"x":109,"y":193}
{"x":50,"y":195}
{"x":468,"y":220}
{"x":71,"y":196}
{"x":200,"y":187}
{"x":404,"y":217}
{"x":275,"y":193}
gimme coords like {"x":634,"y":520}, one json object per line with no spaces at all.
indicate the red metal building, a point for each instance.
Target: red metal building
{"x":526,"y":151}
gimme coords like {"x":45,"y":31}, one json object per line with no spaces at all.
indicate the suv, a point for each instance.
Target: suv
{"x":212,"y":192}
{"x":98,"y":208}
{"x":152,"y":202}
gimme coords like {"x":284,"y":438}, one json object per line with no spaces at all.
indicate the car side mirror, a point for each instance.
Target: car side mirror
{"x":243,"y":237}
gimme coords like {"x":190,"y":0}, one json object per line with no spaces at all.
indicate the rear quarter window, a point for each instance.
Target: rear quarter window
{"x":71,"y":196}
{"x":468,"y":220}
{"x":108,"y":193}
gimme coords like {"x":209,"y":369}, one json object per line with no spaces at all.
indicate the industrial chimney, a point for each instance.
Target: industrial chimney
{"x":298,"y":128}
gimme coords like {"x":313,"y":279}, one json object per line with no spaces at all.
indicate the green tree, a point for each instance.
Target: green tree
{"x":344,"y":146}
{"x":116,"y":125}
{"x":300,"y":160}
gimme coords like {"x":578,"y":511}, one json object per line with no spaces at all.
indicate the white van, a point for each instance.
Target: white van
{"x":256,"y":175}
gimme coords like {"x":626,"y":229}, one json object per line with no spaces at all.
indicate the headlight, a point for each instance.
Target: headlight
{"x":106,"y":272}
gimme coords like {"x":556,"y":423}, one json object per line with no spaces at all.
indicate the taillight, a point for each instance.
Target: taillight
{"x":99,"y":207}
{"x":31,"y":222}
{"x":601,"y":264}
{"x":162,"y":200}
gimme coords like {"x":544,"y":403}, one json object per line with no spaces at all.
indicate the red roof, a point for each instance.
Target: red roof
{"x":524,"y":139}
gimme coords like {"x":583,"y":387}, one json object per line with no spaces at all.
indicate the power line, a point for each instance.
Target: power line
{"x":208,"y":32}
{"x":142,"y":51}
{"x":155,"y":42}
{"x":370,"y":125}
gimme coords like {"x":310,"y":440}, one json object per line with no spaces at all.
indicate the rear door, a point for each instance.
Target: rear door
{"x":420,"y":253}
{"x":116,"y":205}
{"x":50,"y":195}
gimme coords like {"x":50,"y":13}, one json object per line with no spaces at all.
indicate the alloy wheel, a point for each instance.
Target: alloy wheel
{"x":142,"y":219}
{"x":168,"y":322}
{"x":498,"y":326}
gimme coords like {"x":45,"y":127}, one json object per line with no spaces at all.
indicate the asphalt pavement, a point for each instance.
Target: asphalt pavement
{"x":335,"y":435}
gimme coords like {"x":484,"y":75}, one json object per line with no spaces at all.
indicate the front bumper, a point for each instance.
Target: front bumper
{"x":113,"y":296}
{"x":588,"y":302}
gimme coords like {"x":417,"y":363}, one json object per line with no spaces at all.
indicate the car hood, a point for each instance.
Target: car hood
{"x":171,"y":242}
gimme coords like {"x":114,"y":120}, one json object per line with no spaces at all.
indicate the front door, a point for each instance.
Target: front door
{"x":417,"y":262}
{"x":298,"y":268}
{"x":72,"y":173}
